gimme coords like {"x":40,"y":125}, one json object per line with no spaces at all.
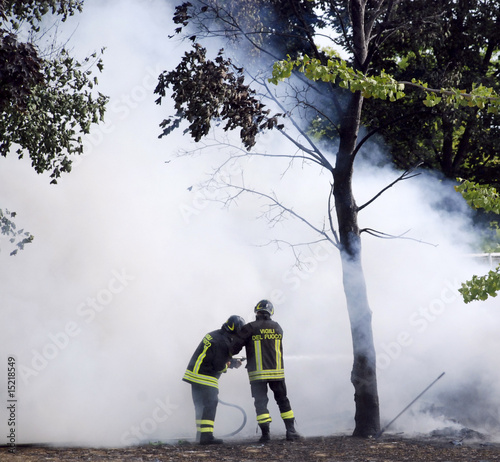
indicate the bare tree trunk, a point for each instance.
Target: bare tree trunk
{"x":363,"y":376}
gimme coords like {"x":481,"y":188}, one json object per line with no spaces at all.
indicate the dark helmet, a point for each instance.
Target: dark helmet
{"x":233,"y":324}
{"x":264,"y":306}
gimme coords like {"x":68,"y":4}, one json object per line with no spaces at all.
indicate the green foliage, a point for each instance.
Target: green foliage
{"x":19,"y":238}
{"x":31,"y":11}
{"x":480,"y":196}
{"x":46,"y":104}
{"x":383,"y":86}
{"x":47,"y":101}
{"x":57,"y":112}
{"x":448,"y":45}
{"x":486,"y":198}
{"x":338,"y":71}
{"x":481,"y":287}
{"x":483,"y":197}
{"x":492,"y":243}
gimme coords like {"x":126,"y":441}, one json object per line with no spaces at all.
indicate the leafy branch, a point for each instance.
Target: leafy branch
{"x":383,"y":85}
{"x":487,"y":198}
{"x":204,"y":90}
{"x":481,"y":287}
{"x":8,"y":228}
{"x":480,"y":196}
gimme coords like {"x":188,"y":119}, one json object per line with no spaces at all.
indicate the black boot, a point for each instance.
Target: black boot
{"x":208,"y":438}
{"x":291,"y":433}
{"x":266,"y":436}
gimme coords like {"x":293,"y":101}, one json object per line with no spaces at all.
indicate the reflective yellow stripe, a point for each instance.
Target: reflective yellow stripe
{"x":205,"y":422}
{"x":270,"y":374}
{"x":258,"y":355}
{"x":264,"y":418}
{"x":278,"y":353}
{"x":287,"y":415}
{"x":206,"y":429}
{"x":200,"y":359}
{"x":205,"y":426}
{"x":202,"y":379}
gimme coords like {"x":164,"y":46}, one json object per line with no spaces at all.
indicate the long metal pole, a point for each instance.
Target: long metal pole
{"x":379,"y":434}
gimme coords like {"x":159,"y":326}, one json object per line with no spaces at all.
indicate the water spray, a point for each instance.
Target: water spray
{"x":379,"y":434}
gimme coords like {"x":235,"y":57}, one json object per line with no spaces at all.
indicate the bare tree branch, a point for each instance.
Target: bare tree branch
{"x":330,"y":219}
{"x":315,"y":151}
{"x":382,"y":235}
{"x":283,"y":210}
{"x":406,"y":175}
{"x":293,"y":247}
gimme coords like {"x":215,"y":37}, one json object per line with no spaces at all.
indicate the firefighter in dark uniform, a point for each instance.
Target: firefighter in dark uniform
{"x":262,"y":339}
{"x":209,"y":361}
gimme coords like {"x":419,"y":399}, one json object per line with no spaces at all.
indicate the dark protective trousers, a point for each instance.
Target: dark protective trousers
{"x":259,"y":394}
{"x":205,"y":401}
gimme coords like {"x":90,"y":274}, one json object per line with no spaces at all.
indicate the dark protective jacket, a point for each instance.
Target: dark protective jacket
{"x":262,"y":339}
{"x":210,"y":359}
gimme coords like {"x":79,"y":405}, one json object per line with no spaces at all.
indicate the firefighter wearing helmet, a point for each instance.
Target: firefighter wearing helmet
{"x":263,"y":341}
{"x":211,"y":358}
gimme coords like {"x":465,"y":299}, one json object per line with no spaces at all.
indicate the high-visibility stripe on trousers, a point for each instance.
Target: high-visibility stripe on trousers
{"x":287,"y":415}
{"x":259,"y":393}
{"x":264,"y":418}
{"x":205,"y":426}
{"x":205,"y":405}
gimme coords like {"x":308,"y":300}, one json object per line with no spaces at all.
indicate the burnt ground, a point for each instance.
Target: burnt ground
{"x":328,"y":449}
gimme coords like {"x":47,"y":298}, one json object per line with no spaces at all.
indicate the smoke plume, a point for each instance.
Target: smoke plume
{"x":132,"y":264}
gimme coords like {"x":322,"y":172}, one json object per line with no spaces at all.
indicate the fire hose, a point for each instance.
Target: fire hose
{"x":244,"y":418}
{"x":235,"y":363}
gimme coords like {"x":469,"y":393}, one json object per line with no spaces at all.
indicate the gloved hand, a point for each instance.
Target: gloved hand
{"x":234,"y":363}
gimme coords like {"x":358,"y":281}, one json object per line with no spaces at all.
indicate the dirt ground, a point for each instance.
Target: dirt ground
{"x":327,"y":449}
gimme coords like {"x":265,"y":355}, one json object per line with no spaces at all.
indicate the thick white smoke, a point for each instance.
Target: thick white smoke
{"x":130,"y":267}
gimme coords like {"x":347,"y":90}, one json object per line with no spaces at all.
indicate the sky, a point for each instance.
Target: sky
{"x":132,"y":264}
